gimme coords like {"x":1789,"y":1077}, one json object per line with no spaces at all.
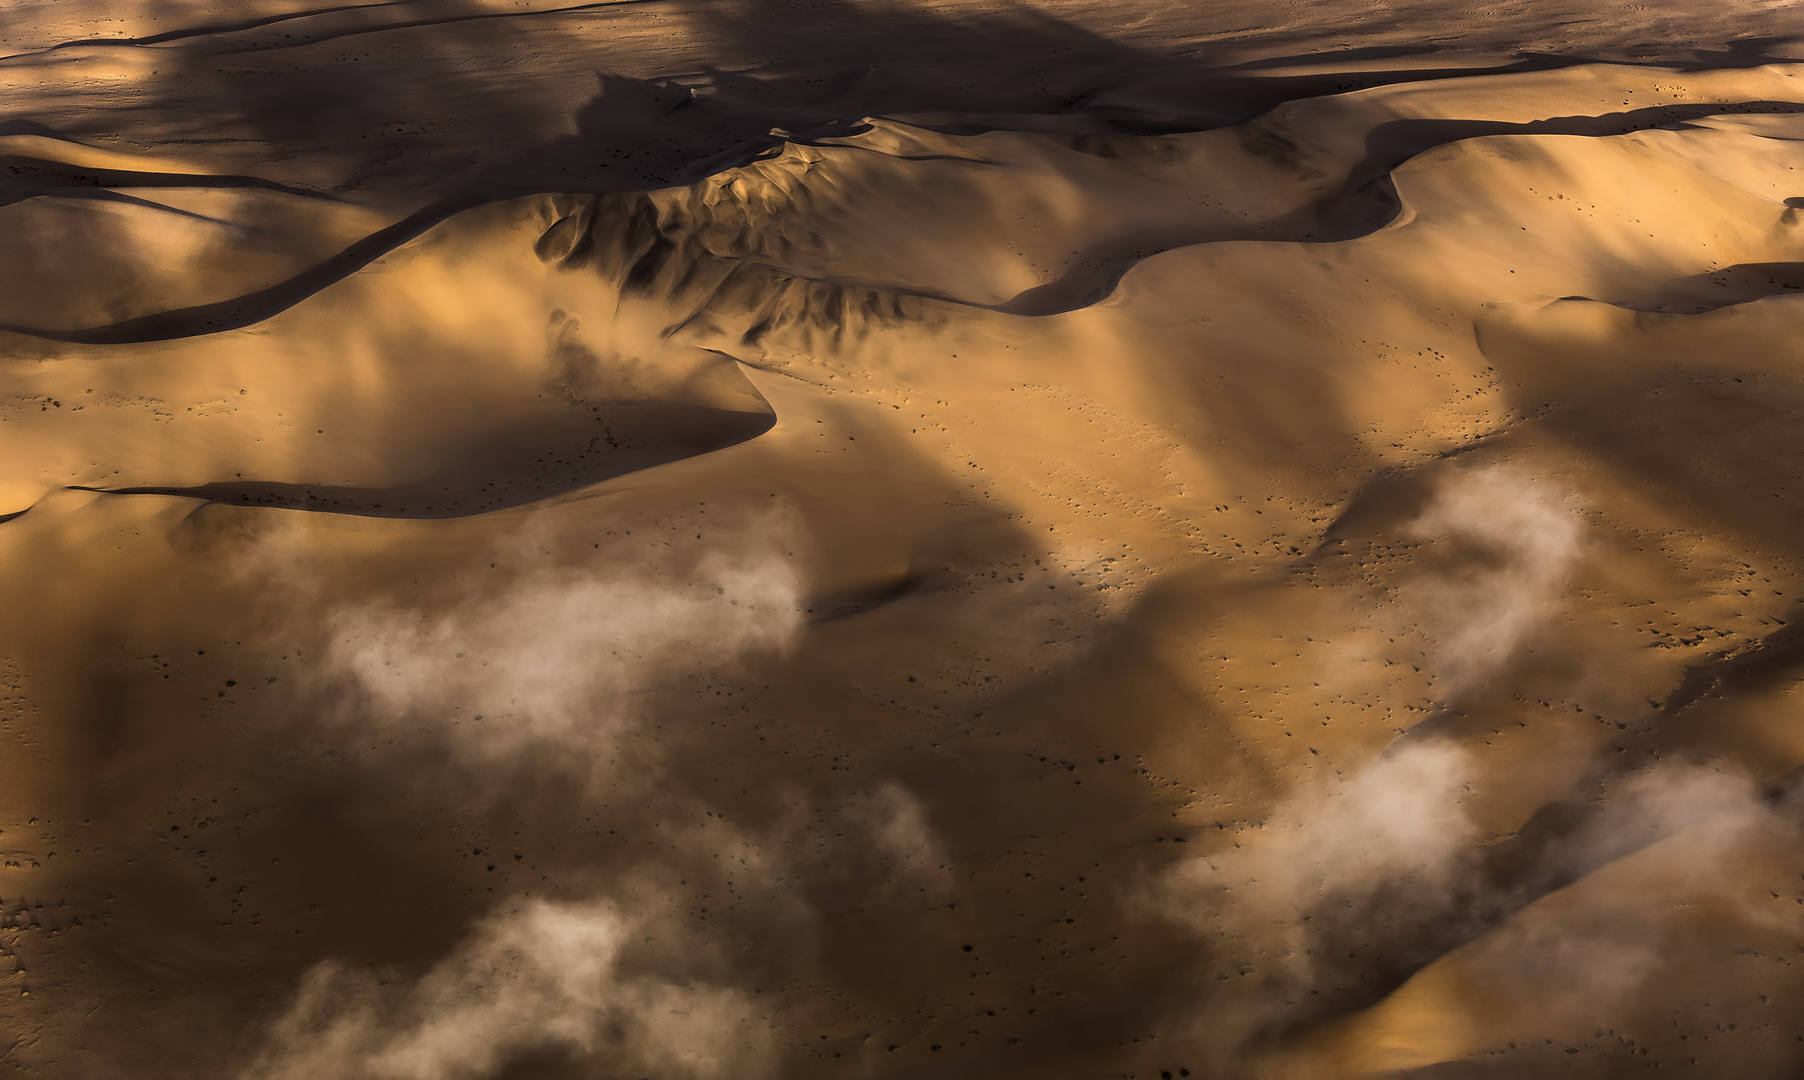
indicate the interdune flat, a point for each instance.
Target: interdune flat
{"x":696,"y":540}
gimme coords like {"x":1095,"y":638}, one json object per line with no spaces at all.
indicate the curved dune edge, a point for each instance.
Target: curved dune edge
{"x":1295,"y":174}
{"x":1312,"y":596}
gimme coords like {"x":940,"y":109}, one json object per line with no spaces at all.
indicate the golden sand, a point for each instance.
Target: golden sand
{"x":697,"y":540}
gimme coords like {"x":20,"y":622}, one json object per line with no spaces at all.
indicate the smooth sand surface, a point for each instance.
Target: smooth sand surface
{"x":696,"y":540}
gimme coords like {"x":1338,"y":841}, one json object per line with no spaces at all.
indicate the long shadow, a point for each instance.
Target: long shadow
{"x":634,"y":134}
{"x":40,"y":174}
{"x":1366,"y":201}
{"x":1696,"y":294}
{"x":1217,"y":97}
{"x":1560,"y":844}
{"x":105,"y":195}
{"x":509,"y":469}
{"x":460,"y":11}
{"x":440,"y":22}
{"x":206,"y":29}
{"x":1563,"y":841}
{"x":289,"y":42}
{"x":254,"y":307}
{"x":1343,"y":216}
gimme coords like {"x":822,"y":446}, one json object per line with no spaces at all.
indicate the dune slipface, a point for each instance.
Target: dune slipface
{"x":693,"y":541}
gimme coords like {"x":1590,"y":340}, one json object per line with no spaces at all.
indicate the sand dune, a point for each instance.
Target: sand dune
{"x":691,"y":540}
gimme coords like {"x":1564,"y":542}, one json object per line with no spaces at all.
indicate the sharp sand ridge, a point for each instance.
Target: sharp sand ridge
{"x":697,"y":540}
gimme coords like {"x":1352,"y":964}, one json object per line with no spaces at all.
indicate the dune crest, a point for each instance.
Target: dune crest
{"x":705,"y":540}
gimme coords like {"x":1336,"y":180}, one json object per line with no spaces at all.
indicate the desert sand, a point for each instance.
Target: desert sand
{"x":692,"y":539}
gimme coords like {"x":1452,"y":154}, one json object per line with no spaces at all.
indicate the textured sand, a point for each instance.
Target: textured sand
{"x":696,"y":540}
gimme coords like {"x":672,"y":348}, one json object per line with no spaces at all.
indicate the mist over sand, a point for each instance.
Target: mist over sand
{"x":708,"y":539}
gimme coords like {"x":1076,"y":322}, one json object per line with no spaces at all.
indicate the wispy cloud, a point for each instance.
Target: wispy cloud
{"x":1271,"y":901}
{"x":537,"y":670}
{"x":1665,"y":838}
{"x":535,"y":977}
{"x":556,"y":657}
{"x":1296,"y":905}
{"x":1496,"y":546}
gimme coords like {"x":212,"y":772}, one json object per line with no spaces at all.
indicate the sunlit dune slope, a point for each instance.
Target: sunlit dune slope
{"x":971,"y":587}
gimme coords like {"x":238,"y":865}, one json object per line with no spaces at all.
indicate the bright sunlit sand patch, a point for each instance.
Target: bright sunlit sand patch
{"x":703,"y":540}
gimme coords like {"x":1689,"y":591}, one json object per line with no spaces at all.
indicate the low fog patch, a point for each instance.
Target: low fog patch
{"x":538,"y":976}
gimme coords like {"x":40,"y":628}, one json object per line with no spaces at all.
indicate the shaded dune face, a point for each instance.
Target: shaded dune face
{"x":445,"y":379}
{"x":965,"y":593}
{"x":509,"y":467}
